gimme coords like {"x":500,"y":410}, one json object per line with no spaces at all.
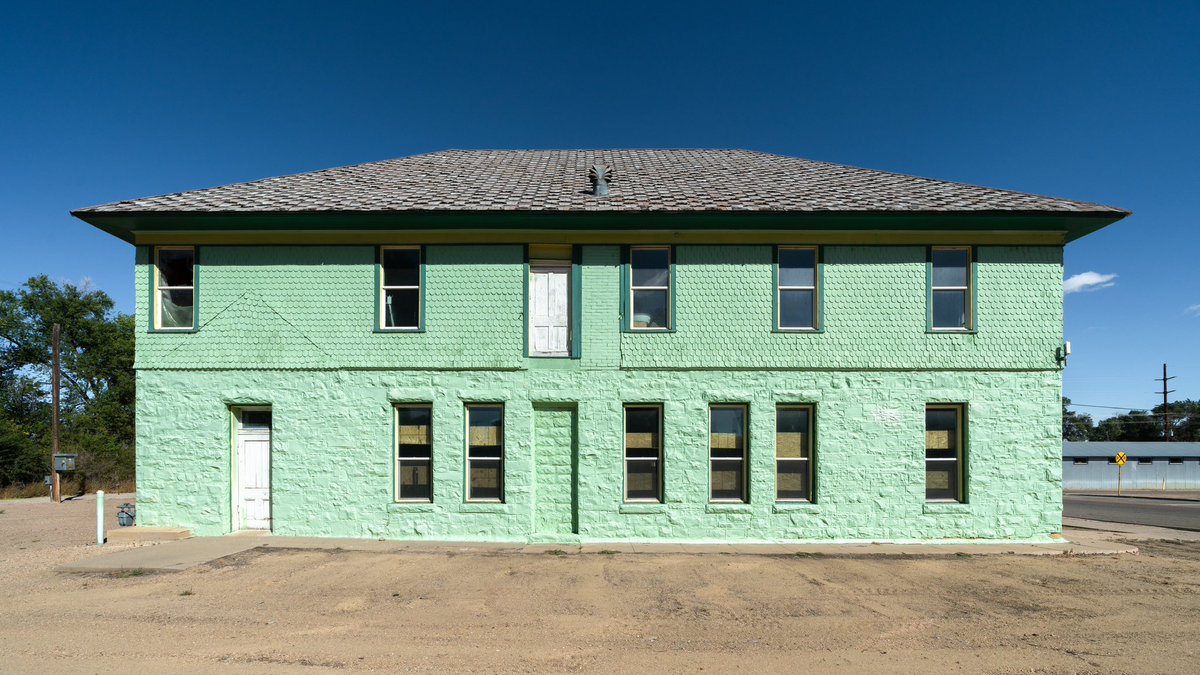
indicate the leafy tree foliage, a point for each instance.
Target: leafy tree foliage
{"x":97,"y":384}
{"x":1135,"y":425}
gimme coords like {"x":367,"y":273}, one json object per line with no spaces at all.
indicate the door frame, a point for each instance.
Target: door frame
{"x":556,"y":406}
{"x":235,"y":419}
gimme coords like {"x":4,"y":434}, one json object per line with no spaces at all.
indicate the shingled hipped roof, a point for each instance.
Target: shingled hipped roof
{"x":643,"y":180}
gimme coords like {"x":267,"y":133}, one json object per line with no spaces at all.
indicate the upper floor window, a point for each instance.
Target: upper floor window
{"x":950,"y":288}
{"x":944,"y":452}
{"x":797,"y":288}
{"x":175,"y":288}
{"x":400,"y":288}
{"x":650,"y":288}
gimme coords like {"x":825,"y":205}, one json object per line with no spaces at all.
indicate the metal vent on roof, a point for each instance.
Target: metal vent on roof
{"x":601,"y":176}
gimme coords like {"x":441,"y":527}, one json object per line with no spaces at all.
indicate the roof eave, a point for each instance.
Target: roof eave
{"x":1073,"y":224}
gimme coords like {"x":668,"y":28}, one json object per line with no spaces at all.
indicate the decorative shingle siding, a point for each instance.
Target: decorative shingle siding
{"x":874,"y":313}
{"x":300,"y":307}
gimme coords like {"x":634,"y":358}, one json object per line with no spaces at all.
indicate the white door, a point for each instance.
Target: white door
{"x":253,"y":498}
{"x":549,"y":311}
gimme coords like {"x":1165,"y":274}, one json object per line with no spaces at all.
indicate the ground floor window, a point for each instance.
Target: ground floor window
{"x":414,"y":453}
{"x":485,"y":452}
{"x":727,"y":453}
{"x":943,"y":452}
{"x":643,"y":453}
{"x":793,"y":453}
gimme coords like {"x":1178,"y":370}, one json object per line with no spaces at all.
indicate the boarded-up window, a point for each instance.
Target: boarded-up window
{"x":943,"y":452}
{"x":643,"y":453}
{"x":414,"y":452}
{"x":727,"y":452}
{"x":485,"y":452}
{"x":175,"y":287}
{"x":793,"y":453}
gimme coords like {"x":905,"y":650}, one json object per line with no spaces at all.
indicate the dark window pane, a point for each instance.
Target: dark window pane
{"x":650,"y":309}
{"x":796,"y":309}
{"x":941,"y":433}
{"x":486,"y":481}
{"x":175,"y":267}
{"x":949,"y":267}
{"x":175,"y":309}
{"x":402,"y":308}
{"x":414,"y":480}
{"x":401,"y":267}
{"x":260,"y":419}
{"x":791,"y":432}
{"x":651,"y":267}
{"x":641,"y":479}
{"x":727,"y":479}
{"x":791,"y":480}
{"x":727,"y":427}
{"x":941,"y":480}
{"x":941,"y":419}
{"x":641,"y":432}
{"x":485,"y":434}
{"x":949,"y":309}
{"x":797,"y":267}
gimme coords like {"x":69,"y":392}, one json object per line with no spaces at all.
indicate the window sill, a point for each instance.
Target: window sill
{"x":485,"y":507}
{"x":727,"y":507}
{"x":952,"y":331}
{"x":399,"y":330}
{"x":173,"y":330}
{"x":946,"y":507}
{"x":646,"y":507}
{"x":648,"y":331}
{"x":802,"y":331}
{"x":411,"y":507}
{"x":795,"y":507}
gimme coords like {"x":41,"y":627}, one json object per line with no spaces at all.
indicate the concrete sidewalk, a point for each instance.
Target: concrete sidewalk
{"x":174,"y":556}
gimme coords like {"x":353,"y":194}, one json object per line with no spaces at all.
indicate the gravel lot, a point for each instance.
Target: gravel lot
{"x":292,"y":610}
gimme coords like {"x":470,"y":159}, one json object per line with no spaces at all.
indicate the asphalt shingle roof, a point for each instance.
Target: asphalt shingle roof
{"x":556,"y":180}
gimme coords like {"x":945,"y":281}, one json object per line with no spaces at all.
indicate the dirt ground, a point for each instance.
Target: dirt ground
{"x":304,"y":610}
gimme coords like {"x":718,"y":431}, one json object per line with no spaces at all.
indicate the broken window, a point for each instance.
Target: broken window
{"x":643,"y":453}
{"x":175,"y":288}
{"x":793,"y":453}
{"x":414,"y":453}
{"x":400,"y":288}
{"x":943,"y":452}
{"x":485,"y":452}
{"x":727,"y":453}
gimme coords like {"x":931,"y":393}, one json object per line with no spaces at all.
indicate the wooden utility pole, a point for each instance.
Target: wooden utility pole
{"x":1166,"y":416}
{"x":56,"y":495}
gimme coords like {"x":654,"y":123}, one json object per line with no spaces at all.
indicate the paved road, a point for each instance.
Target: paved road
{"x":1157,"y":512}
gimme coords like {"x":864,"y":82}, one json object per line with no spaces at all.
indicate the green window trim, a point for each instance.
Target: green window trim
{"x":379,"y":290}
{"x":972,"y":293}
{"x":818,"y":291}
{"x":627,"y":289}
{"x":962,"y":447}
{"x":154,"y":295}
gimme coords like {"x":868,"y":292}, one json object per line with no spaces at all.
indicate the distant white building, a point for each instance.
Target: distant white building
{"x":1150,"y":466}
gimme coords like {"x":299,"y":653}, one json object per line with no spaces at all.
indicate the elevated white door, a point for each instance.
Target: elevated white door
{"x":549,"y":311}
{"x":253,"y":498}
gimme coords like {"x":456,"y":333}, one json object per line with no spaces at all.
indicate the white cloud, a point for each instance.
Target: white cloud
{"x":1088,"y":281}
{"x":1194,"y":310}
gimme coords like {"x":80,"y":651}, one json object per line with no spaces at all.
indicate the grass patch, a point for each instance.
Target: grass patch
{"x":186,"y":593}
{"x":962,"y":554}
{"x":808,"y":554}
{"x":556,"y":551}
{"x":604,"y":552}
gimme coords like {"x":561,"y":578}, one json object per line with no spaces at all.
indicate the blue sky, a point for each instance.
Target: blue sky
{"x":1086,"y":100}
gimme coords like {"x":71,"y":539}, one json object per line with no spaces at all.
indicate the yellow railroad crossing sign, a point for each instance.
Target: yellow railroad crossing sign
{"x":1121,"y":459}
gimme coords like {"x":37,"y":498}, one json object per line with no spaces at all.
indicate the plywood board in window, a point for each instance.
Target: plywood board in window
{"x":485,"y":436}
{"x":723,"y":441}
{"x":414,"y":434}
{"x":791,"y":444}
{"x":938,"y":440}
{"x":641,"y":440}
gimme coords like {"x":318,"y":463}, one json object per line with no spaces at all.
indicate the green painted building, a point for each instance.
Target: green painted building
{"x":689,"y":345}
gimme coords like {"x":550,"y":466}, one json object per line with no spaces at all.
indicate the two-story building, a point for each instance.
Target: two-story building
{"x":689,"y":345}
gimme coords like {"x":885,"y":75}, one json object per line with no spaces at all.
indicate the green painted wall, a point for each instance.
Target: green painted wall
{"x":291,"y":327}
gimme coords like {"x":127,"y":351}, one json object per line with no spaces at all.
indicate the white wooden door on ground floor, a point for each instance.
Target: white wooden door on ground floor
{"x":252,"y":487}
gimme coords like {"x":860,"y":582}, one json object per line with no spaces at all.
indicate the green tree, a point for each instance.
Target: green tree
{"x":1075,"y":426}
{"x":97,"y":383}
